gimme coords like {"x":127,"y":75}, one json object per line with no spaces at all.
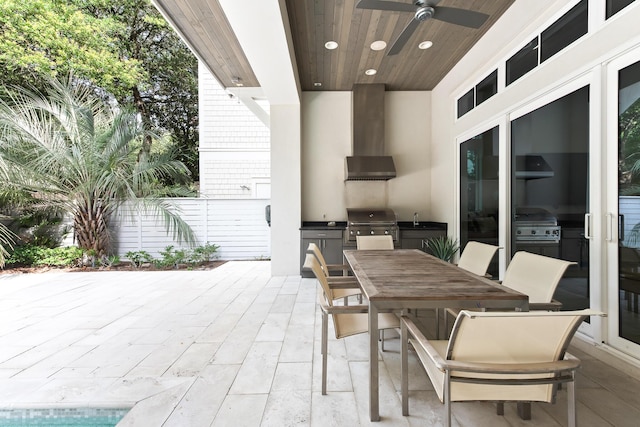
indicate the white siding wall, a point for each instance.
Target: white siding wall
{"x":630,"y":209}
{"x":237,"y":226}
{"x":234,"y":144}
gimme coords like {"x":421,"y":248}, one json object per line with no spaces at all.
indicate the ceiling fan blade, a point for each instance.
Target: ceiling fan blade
{"x":386,"y":5}
{"x":464,"y":17}
{"x":403,"y":37}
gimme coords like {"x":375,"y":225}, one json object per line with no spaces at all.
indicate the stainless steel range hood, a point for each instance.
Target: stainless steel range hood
{"x":532,"y":166}
{"x":368,"y":161}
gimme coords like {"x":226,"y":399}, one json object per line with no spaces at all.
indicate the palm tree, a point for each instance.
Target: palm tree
{"x":75,"y":153}
{"x":6,"y":243}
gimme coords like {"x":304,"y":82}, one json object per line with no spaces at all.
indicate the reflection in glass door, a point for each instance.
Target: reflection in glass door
{"x":479,"y":191}
{"x":550,"y":187}
{"x":629,"y":202}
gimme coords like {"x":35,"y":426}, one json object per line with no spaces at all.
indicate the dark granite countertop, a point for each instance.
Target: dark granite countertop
{"x":403,"y":225}
{"x":422,"y":225}
{"x":323,"y":225}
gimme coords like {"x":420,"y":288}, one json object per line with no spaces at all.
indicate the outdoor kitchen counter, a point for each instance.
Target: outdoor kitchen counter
{"x":422,"y":225}
{"x":323,"y":225}
{"x":413,"y":236}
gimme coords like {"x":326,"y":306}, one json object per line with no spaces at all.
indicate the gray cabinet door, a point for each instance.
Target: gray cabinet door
{"x":329,"y":242}
{"x":412,"y":239}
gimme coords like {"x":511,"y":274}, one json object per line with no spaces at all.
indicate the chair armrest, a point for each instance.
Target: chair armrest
{"x":556,"y":367}
{"x":342,"y":279}
{"x":420,"y":340}
{"x":343,"y":285}
{"x":545,"y":306}
{"x":342,"y":309}
{"x":342,"y":268}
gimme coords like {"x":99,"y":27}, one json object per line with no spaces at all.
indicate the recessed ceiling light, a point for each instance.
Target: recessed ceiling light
{"x":317,"y":84}
{"x":425,"y":45}
{"x":378,"y":45}
{"x":370,"y":72}
{"x":331,"y":45}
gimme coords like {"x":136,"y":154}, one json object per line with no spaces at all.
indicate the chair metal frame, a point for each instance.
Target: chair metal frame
{"x":354,"y":318}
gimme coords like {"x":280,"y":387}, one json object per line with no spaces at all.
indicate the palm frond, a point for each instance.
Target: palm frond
{"x":79,"y":154}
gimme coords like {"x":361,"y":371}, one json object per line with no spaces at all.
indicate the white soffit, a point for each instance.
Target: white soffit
{"x":261,"y":27}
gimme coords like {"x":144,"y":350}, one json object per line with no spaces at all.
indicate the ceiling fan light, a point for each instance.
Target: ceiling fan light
{"x":371,"y":72}
{"x":425,"y":45}
{"x":331,"y":45}
{"x":378,"y":45}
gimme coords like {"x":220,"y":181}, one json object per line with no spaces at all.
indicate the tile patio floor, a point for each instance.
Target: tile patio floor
{"x":228,"y":347}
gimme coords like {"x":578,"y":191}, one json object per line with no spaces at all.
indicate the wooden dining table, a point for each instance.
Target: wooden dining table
{"x":404,"y":279}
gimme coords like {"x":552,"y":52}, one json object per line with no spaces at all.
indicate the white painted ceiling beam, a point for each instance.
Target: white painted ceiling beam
{"x":262,"y":28}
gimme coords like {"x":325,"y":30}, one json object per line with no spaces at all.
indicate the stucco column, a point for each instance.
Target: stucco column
{"x":286,"y":196}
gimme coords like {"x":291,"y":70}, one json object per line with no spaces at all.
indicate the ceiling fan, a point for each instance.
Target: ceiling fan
{"x":424,"y":10}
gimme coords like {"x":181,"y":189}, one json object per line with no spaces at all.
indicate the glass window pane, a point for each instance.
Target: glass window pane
{"x":629,"y":201}
{"x":569,"y":28}
{"x":550,"y":187}
{"x":487,"y":88}
{"x":525,"y":60}
{"x":479,"y":191}
{"x":615,"y":6}
{"x":465,"y":103}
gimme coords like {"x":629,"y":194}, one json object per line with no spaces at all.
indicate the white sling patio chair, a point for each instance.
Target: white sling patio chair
{"x":476,"y":257}
{"x":498,"y":356}
{"x":329,"y":269}
{"x":374,"y":242}
{"x":534,"y":275}
{"x":347,"y":320}
{"x":343,"y":293}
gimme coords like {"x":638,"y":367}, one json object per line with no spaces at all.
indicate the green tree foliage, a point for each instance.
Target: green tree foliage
{"x":47,"y":38}
{"x":629,"y":146}
{"x":78,"y":155}
{"x":124,"y":48}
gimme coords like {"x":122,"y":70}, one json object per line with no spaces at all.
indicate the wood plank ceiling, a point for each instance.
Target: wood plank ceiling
{"x":313,"y":22}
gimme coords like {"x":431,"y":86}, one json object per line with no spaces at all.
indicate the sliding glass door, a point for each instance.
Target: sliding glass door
{"x":550,"y":189}
{"x":624,"y":246}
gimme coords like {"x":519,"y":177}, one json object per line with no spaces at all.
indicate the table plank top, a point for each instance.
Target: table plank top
{"x":410,"y":274}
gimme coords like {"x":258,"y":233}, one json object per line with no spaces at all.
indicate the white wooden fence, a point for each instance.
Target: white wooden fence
{"x":238,"y":227}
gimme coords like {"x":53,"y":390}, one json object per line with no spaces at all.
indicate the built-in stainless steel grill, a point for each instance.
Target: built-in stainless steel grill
{"x":536,"y":225}
{"x":367,"y":222}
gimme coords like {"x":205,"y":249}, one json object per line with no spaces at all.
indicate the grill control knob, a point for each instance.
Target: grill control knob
{"x":533,"y":231}
{"x":386,"y":231}
{"x":358,"y":232}
{"x":373,"y":232}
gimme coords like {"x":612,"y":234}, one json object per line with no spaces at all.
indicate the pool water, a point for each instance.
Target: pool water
{"x":61,"y":417}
